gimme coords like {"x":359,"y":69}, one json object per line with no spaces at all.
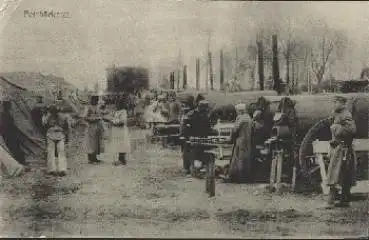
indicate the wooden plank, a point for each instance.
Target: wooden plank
{"x":323,"y":174}
{"x":212,"y":177}
{"x":359,"y":145}
{"x":273,"y":171}
{"x":294,"y":174}
{"x":207,"y":178}
{"x":279,"y":170}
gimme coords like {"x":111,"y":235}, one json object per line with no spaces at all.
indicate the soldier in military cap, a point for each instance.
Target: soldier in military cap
{"x":342,"y":164}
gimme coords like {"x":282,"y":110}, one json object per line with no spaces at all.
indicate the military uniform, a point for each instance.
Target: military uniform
{"x":342,"y":165}
{"x":94,"y":137}
{"x":37,"y":112}
{"x":57,"y":135}
{"x":240,"y":166}
{"x":198,"y":125}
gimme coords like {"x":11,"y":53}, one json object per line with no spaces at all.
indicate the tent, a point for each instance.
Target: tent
{"x":22,"y":102}
{"x":44,"y":85}
{"x":8,"y":163}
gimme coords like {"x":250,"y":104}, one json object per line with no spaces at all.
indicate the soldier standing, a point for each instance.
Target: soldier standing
{"x":240,"y":165}
{"x":57,"y":135}
{"x":120,"y":145}
{"x":199,"y":125}
{"x":174,"y":109}
{"x":37,"y":112}
{"x":184,"y":131}
{"x":94,"y":138}
{"x":342,"y":165}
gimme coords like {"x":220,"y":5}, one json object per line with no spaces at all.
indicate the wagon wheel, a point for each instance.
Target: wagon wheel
{"x":309,"y":175}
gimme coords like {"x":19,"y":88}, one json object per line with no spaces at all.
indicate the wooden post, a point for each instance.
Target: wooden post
{"x":323,"y":173}
{"x":207,"y":178}
{"x":273,"y":170}
{"x":279,"y":169}
{"x":171,"y":77}
{"x":178,"y":78}
{"x":197,"y":74}
{"x":212,"y":176}
{"x":293,"y":76}
{"x":185,"y":77}
{"x":221,"y":70}
{"x":276,"y":78}
{"x":260,"y":64}
{"x":294,"y":175}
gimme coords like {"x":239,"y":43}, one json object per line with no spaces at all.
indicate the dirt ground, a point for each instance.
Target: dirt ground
{"x":151,"y":197}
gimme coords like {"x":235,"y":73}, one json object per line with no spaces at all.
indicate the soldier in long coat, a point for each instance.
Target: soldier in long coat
{"x":240,"y":166}
{"x":94,"y":138}
{"x":342,"y":165}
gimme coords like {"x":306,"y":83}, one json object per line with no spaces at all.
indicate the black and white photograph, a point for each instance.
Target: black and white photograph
{"x":184,"y":119}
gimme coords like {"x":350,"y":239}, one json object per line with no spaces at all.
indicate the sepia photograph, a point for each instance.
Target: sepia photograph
{"x":184,"y":119}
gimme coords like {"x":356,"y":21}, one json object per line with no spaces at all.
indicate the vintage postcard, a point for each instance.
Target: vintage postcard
{"x":184,"y":119}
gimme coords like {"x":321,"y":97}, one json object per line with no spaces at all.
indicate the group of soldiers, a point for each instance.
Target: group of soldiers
{"x":105,"y":131}
{"x":342,"y":165}
{"x":195,"y":118}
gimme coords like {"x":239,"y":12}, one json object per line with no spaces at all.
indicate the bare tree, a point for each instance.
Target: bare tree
{"x":248,"y":63}
{"x":288,"y":50}
{"x":328,"y":46}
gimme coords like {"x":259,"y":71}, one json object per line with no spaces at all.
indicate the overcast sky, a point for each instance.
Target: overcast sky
{"x":100,"y":33}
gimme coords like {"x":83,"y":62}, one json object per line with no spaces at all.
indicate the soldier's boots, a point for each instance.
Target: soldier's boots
{"x":344,"y":198}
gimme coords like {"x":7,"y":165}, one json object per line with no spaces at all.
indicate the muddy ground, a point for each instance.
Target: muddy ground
{"x":151,"y":197}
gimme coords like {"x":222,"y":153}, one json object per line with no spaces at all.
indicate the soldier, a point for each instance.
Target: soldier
{"x":37,"y":112}
{"x":199,"y":125}
{"x":175,"y":109}
{"x":57,"y":135}
{"x":199,"y":98}
{"x":94,"y":131}
{"x":185,"y":133}
{"x":342,"y":165}
{"x":120,"y":144}
{"x":240,"y":165}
